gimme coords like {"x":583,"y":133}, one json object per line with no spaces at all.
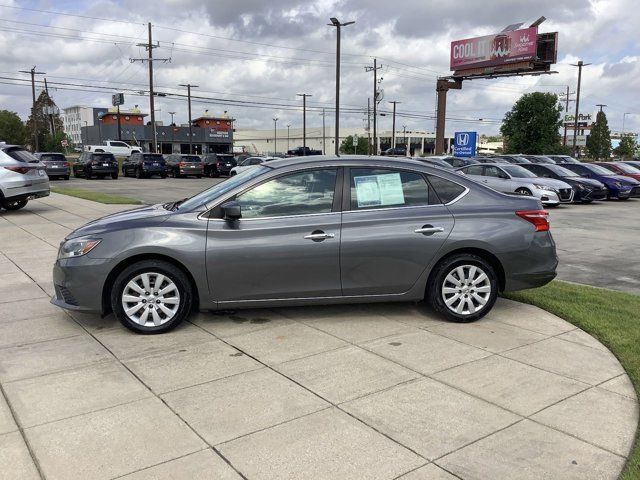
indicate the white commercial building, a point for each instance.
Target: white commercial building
{"x":76,"y":117}
{"x":280,"y":140}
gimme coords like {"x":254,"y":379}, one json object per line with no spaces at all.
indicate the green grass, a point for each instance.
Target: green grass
{"x":96,"y":196}
{"x":611,"y":317}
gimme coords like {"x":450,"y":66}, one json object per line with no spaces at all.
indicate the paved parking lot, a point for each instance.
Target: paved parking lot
{"x":597,"y":243}
{"x":372,"y":391}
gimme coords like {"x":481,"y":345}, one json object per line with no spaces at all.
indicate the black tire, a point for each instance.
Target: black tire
{"x":623,"y":199}
{"x":124,"y":172}
{"x":66,"y":177}
{"x":138,"y":173}
{"x":163,"y":175}
{"x":75,"y":173}
{"x":436,"y":284}
{"x":198,"y":176}
{"x":585,"y":202}
{"x":524,"y":191}
{"x":13,"y":204}
{"x":171,"y":272}
{"x":232,"y":174}
{"x":114,"y":176}
{"x":87,"y":174}
{"x":176,"y":173}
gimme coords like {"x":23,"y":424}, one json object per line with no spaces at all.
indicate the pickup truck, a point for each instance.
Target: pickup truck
{"x":118,"y":148}
{"x":300,"y":151}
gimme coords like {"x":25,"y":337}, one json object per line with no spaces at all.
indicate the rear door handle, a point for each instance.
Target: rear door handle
{"x":429,"y":230}
{"x":318,"y":236}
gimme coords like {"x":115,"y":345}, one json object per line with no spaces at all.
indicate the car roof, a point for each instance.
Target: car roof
{"x":354,"y":160}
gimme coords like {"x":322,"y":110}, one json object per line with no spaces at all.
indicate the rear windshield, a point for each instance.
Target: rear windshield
{"x":103,"y":157}
{"x":227,"y":159}
{"x":190,"y":158}
{"x":627,"y":168}
{"x":151,"y":157}
{"x":52,"y":157}
{"x":21,"y":155}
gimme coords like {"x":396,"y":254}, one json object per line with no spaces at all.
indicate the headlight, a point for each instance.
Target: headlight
{"x":617,"y":184}
{"x":77,"y":247}
{"x":542,"y":187}
{"x":579,"y":186}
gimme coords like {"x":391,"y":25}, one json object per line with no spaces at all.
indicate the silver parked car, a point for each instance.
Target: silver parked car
{"x":516,"y":179}
{"x":250,"y":162}
{"x":22,"y":177}
{"x":310,"y":230}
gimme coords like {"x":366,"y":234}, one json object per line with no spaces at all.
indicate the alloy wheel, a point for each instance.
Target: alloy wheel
{"x":466,"y":289}
{"x":150,"y":299}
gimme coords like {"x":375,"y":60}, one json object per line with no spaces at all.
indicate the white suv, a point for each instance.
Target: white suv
{"x":22,"y":177}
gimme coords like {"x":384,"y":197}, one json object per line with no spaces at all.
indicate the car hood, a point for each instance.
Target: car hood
{"x":622,"y":179}
{"x":547,"y":182}
{"x":117,"y":221}
{"x":592,"y":182}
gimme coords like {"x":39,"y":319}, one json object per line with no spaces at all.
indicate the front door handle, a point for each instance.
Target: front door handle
{"x":318,"y":236}
{"x":429,"y":230}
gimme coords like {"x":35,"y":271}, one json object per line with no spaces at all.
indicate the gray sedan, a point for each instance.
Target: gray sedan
{"x":305,"y":231}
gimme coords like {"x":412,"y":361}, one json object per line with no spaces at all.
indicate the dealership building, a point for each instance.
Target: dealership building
{"x":92,"y":126}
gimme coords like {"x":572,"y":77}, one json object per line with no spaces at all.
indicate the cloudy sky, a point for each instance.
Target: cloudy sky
{"x":251,"y":57}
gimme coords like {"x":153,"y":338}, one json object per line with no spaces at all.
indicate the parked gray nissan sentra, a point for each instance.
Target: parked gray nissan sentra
{"x":310,"y":230}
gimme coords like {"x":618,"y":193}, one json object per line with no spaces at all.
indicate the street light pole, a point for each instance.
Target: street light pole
{"x":623,"y":119}
{"x":33,"y":108}
{"x":304,"y":121}
{"x":189,"y":87}
{"x":324,"y":144}
{"x":288,"y":127}
{"x":275,"y":135}
{"x":404,"y":134}
{"x":393,"y":133}
{"x":580,"y":64}
{"x":336,"y":23}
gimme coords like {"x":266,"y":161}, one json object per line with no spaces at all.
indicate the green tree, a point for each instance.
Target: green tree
{"x":348,"y":147}
{"x":532,"y":126}
{"x":11,"y":128}
{"x":599,"y":141}
{"x":43,"y":121}
{"x":627,"y":148}
{"x":53,"y":143}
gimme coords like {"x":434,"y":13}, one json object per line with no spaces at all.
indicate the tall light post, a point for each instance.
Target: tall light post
{"x":580,"y":64}
{"x":304,"y":121}
{"x":288,"y":127}
{"x":336,"y":23}
{"x":172,"y":130}
{"x":393,"y":130}
{"x":275,"y":135}
{"x":189,"y":87}
{"x":404,"y":134}
{"x":324,"y":136}
{"x":624,"y":115}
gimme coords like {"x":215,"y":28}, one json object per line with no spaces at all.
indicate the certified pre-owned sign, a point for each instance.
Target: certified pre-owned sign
{"x":464,"y":144}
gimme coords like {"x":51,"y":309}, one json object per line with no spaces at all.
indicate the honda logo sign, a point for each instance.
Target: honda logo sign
{"x":464,"y":144}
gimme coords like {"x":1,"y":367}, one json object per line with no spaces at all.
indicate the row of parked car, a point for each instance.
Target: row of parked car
{"x":554,"y":179}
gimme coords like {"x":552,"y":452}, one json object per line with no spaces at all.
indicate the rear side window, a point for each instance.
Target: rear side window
{"x":381,"y":188}
{"x":446,"y":190}
{"x":474,"y":170}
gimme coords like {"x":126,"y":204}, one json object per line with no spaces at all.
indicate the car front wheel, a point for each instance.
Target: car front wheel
{"x":151,"y":296}
{"x":463,"y":288}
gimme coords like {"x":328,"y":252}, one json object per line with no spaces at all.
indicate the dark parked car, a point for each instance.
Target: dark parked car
{"x":436,"y":161}
{"x":303,"y":152}
{"x":563,"y":159}
{"x":619,"y":187}
{"x":633,"y":163}
{"x":56,"y":164}
{"x":538,"y":159}
{"x":515,"y":159}
{"x":621,"y":169}
{"x":183,"y":165}
{"x":310,"y":231}
{"x":216,"y":164}
{"x":585,"y":190}
{"x":395,"y":152}
{"x":99,"y":165}
{"x":457,"y":162}
{"x":144,"y":165}
{"x":495,"y":160}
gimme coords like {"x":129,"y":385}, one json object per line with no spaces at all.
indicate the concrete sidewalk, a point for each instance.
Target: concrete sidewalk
{"x":364,"y":392}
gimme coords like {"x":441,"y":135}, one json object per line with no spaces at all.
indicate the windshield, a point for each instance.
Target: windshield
{"x":190,"y":158}
{"x":518,"y":171}
{"x":627,"y":168}
{"x":52,"y":157}
{"x":599,"y":170}
{"x":563,"y":172}
{"x":209,"y":195}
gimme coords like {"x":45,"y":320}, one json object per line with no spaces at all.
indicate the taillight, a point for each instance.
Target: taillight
{"x":65,"y":164}
{"x":539,"y":218}
{"x":182,"y":164}
{"x":22,"y":170}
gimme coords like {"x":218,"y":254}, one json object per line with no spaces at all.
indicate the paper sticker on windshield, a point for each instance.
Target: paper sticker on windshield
{"x":379,"y":190}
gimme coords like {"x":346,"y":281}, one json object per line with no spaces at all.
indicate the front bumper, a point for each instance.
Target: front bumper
{"x":79,"y":283}
{"x":592,"y":194}
{"x":548,"y":197}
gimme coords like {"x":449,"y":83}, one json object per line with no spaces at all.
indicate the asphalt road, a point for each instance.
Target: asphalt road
{"x":597,"y":243}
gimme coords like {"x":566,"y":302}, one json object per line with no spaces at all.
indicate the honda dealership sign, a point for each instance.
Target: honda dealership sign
{"x":494,"y":50}
{"x":464,"y":144}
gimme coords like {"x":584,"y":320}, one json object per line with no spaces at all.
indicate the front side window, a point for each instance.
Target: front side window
{"x":474,"y":170}
{"x":493,"y":172}
{"x":382,"y":188}
{"x":301,"y":193}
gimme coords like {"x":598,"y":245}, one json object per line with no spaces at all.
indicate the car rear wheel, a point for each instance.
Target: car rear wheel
{"x":66,"y":177}
{"x":114,"y":176}
{"x":87,"y":174}
{"x":13,"y":204}
{"x":463,"y":287}
{"x":151,"y":296}
{"x":138,"y":173}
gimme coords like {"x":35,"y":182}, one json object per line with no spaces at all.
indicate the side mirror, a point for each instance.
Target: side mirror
{"x":231,"y":211}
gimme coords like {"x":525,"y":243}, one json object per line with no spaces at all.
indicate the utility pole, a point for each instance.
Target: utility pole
{"x":404,"y":134}
{"x":369,"y":124}
{"x":33,"y":108}
{"x":172,"y":130}
{"x":149,"y":47}
{"x":374,"y":69}
{"x":275,"y":136}
{"x":304,"y":121}
{"x":288,"y":127}
{"x":601,"y":105}
{"x":172,"y":114}
{"x":580,"y":64}
{"x":52,"y":128}
{"x":567,"y":99}
{"x":324,"y":146}
{"x":189,"y":87}
{"x":393,"y":133}
{"x":337,"y":24}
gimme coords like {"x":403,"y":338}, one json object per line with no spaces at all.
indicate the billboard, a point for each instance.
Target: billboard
{"x":464,"y":144}
{"x":494,"y":50}
{"x":117,"y":99}
{"x":583,"y":118}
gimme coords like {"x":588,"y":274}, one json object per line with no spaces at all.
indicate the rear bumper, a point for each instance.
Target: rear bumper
{"x":191,"y":171}
{"x":58,"y":172}
{"x":29,"y":196}
{"x":103,"y":170}
{"x":532,"y":267}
